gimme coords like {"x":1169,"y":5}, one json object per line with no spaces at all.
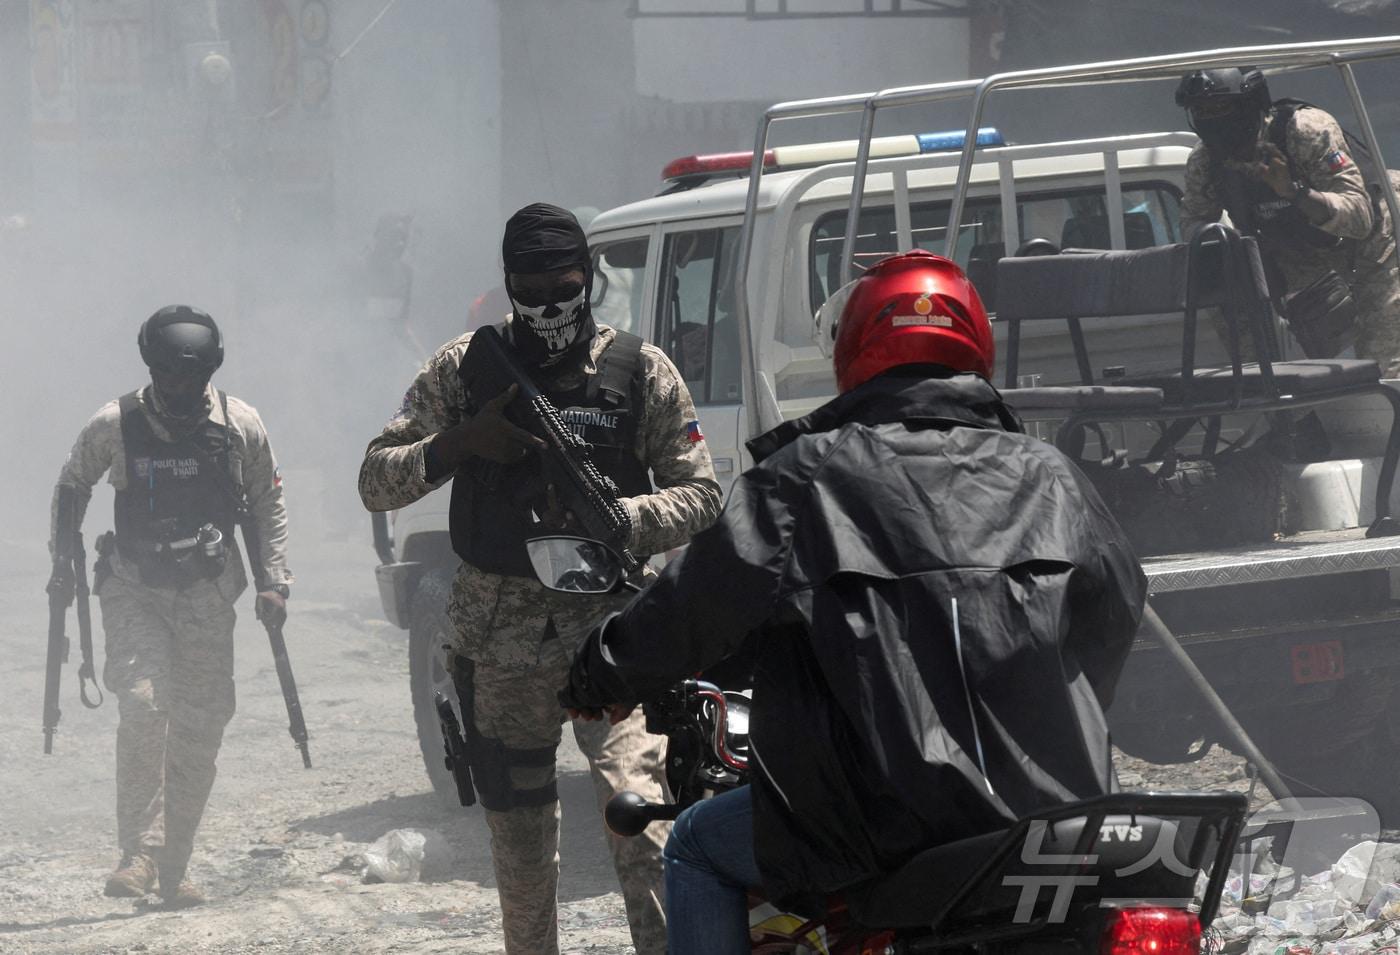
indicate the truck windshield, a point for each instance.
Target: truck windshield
{"x":1069,"y":218}
{"x":619,"y":274}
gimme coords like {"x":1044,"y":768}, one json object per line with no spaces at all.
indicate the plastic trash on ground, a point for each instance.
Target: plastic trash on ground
{"x":407,"y":855}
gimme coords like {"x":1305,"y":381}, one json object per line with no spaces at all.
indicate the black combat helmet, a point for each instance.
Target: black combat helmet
{"x":1226,"y":107}
{"x":181,"y":339}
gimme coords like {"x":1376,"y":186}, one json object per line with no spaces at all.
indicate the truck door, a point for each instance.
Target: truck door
{"x":698,"y":330}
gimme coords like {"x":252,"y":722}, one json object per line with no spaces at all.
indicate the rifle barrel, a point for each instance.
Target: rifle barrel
{"x":296,"y":723}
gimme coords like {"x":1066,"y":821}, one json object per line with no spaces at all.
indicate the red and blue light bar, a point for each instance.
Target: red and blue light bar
{"x":817,"y":154}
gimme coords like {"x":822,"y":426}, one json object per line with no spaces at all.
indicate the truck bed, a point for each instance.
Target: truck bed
{"x":1309,"y":554}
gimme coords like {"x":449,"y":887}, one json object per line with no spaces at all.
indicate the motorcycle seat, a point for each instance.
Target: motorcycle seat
{"x":1133,"y":856}
{"x":915,"y":893}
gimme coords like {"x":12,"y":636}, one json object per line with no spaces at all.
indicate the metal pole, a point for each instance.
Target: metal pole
{"x":848,"y":244}
{"x":1372,"y":143}
{"x":747,"y":357}
{"x":955,"y":207}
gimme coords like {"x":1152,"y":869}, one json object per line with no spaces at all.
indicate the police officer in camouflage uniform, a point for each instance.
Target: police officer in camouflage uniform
{"x":1307,"y":202}
{"x":515,"y":638}
{"x":186,"y":461}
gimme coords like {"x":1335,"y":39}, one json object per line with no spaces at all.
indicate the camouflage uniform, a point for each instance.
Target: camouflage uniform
{"x":169,"y":652}
{"x":522,"y":637}
{"x":1315,"y":142}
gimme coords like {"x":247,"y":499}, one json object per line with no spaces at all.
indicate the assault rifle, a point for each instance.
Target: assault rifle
{"x":69,"y":581}
{"x":584,"y":491}
{"x":296,"y":723}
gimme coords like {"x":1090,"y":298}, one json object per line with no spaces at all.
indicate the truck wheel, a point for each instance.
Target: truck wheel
{"x":429,"y":630}
{"x":1344,"y":746}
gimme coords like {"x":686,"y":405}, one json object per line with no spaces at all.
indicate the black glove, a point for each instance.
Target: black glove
{"x":594,"y":683}
{"x":61,"y":581}
{"x":271,"y":608}
{"x":487,"y":434}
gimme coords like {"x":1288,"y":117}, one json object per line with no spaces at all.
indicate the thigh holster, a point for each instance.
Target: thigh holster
{"x":492,"y":763}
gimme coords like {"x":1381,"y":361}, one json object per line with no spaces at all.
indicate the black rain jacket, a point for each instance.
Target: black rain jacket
{"x":930,"y":592}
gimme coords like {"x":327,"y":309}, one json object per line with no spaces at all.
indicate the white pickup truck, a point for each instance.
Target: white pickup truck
{"x":1299,"y":633}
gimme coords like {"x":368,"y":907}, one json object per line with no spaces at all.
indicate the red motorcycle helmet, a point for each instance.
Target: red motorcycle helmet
{"x":909,"y":309}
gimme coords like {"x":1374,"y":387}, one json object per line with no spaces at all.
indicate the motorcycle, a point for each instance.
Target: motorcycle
{"x":1118,"y":874}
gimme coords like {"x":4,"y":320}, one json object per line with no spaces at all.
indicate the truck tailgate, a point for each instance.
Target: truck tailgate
{"x":1311,"y":554}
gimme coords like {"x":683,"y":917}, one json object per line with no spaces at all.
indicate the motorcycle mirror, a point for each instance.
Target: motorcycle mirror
{"x":575,"y":565}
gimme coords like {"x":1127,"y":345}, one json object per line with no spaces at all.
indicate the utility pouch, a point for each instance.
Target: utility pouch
{"x":1322,"y":316}
{"x":105,"y":545}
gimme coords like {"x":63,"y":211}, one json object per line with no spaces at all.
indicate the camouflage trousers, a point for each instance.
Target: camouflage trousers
{"x":522,"y":638}
{"x":170,"y":665}
{"x":522,"y":710}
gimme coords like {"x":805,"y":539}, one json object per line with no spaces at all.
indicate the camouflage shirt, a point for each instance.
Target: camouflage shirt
{"x":514,"y":622}
{"x":1320,"y":157}
{"x":394,"y":472}
{"x":99,"y":450}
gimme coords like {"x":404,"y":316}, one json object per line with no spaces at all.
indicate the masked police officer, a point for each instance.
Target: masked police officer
{"x":515,"y":638}
{"x":187,"y":463}
{"x":1285,"y":174}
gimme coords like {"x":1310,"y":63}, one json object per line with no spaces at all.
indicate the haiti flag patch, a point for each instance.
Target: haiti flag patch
{"x":692,"y":431}
{"x":1336,"y":160}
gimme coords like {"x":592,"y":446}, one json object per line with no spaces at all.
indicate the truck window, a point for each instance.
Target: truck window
{"x":1071,"y":219}
{"x":696,"y":304}
{"x":619,"y":274}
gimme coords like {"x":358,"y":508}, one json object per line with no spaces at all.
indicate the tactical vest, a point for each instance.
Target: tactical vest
{"x":1258,"y":210}
{"x":173,"y":488}
{"x":491,"y":512}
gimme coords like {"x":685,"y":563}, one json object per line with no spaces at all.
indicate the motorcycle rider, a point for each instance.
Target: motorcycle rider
{"x":939,"y":606}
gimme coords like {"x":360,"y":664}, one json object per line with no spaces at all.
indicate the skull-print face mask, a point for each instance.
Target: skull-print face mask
{"x":555,"y":325}
{"x":545,"y":249}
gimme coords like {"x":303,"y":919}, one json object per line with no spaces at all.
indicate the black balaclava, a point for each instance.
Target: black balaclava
{"x":541,"y":238}
{"x":1234,"y":135}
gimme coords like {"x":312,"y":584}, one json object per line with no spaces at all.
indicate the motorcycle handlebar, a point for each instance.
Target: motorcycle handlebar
{"x":627,"y":813}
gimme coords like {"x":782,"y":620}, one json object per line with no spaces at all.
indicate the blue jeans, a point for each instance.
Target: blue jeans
{"x":709,"y":868}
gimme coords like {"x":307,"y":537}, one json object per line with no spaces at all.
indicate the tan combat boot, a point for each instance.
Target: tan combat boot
{"x":134,"y":877}
{"x":184,"y":896}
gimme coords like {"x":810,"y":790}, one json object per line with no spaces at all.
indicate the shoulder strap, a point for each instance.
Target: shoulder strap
{"x":128,"y":405}
{"x":231,"y":483}
{"x":622,"y":367}
{"x":1278,"y":126}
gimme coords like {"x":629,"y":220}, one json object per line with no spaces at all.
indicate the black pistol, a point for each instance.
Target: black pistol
{"x":455,"y":750}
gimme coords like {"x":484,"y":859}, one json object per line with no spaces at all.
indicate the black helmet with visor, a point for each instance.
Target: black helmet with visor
{"x":1226,"y":108}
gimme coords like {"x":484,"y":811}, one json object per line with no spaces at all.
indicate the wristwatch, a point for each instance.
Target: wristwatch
{"x":281,"y":589}
{"x":1300,"y":189}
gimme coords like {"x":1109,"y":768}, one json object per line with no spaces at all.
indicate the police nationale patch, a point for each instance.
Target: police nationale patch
{"x":692,"y":431}
{"x":1336,"y":160}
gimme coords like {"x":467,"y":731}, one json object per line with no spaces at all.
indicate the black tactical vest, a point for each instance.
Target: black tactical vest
{"x":491,"y":513}
{"x":173,"y":488}
{"x":1258,"y":210}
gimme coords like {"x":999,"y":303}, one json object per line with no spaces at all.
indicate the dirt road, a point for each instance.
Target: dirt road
{"x":277,"y":850}
{"x":275,"y":837}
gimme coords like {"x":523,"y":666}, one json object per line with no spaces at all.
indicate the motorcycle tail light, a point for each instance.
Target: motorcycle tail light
{"x":1151,"y":931}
